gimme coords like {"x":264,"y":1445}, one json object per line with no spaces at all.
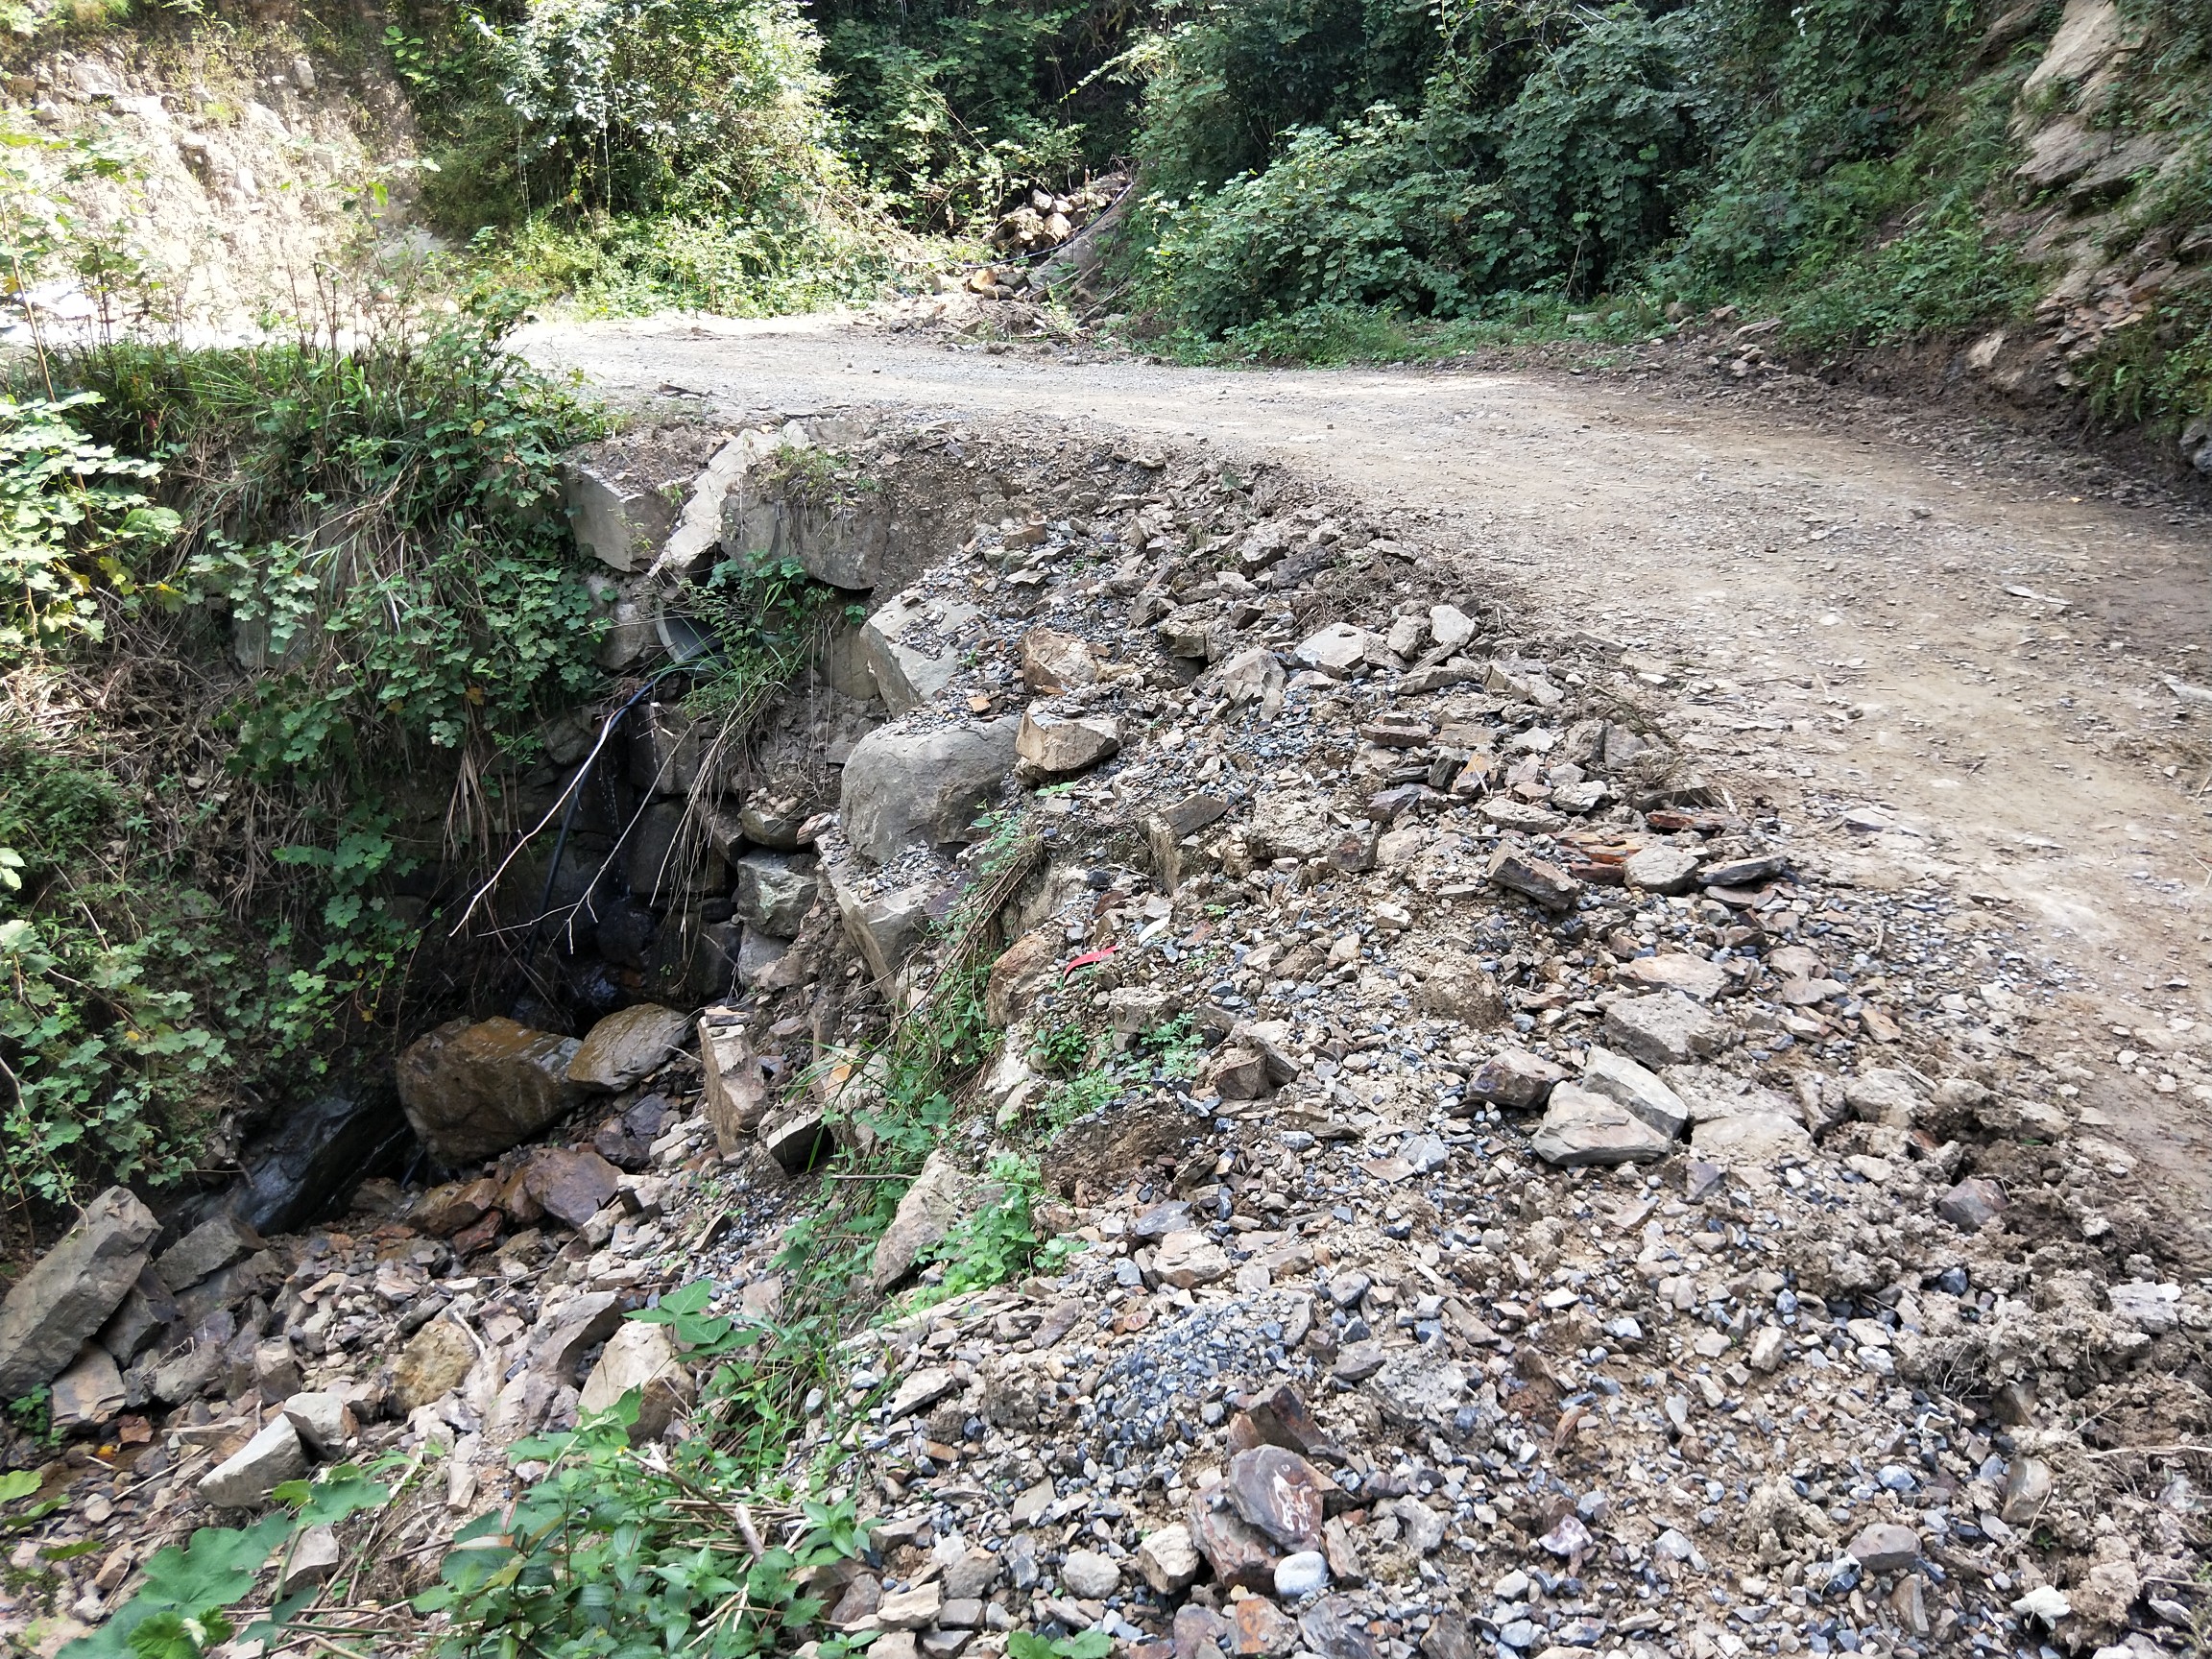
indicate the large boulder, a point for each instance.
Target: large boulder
{"x":911,"y":648}
{"x":941,"y":1196}
{"x":644,"y":1357}
{"x":1052,"y":745}
{"x":69,"y":1292}
{"x":626,"y":1045}
{"x":472,"y":1088}
{"x":1582,"y":1128}
{"x":905,"y":788}
{"x":774,"y":891}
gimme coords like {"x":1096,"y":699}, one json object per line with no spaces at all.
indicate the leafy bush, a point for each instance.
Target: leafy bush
{"x":1559,"y":185}
{"x":950,"y":107}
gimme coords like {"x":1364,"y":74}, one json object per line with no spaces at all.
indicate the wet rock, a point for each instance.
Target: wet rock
{"x":70,"y":1291}
{"x":1973,"y":1204}
{"x":264,"y":1463}
{"x":321,"y":1150}
{"x":623,"y":1049}
{"x":432,"y":1364}
{"x":1279,"y":1494}
{"x":644,"y":1357}
{"x":1667,"y":1030}
{"x":1053,"y":664}
{"x":1620,"y":1080}
{"x":473,"y":1089}
{"x":570,"y":1186}
{"x":1514,"y":1080}
{"x":774,"y":891}
{"x":906,"y":788}
{"x":1532,"y":878}
{"x":1581,"y":1129}
{"x":1050,"y":745}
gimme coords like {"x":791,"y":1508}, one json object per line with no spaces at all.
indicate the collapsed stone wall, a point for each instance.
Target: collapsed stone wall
{"x":1534,"y":1204}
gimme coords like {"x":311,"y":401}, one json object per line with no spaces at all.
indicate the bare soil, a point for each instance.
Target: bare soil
{"x":1874,"y":610}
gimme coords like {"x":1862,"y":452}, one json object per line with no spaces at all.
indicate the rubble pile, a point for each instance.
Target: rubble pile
{"x":1531,"y":1202}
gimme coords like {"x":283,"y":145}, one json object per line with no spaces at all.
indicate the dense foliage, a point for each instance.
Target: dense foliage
{"x":292,"y":617}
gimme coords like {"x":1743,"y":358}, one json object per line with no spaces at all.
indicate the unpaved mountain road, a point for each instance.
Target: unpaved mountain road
{"x":1862,"y":604}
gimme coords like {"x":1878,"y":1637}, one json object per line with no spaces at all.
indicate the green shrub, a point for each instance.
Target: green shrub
{"x":1558,"y":187}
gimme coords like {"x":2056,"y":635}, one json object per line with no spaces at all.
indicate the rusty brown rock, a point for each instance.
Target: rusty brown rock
{"x":1237,"y":1553}
{"x":472,"y":1088}
{"x":1280,"y":1494}
{"x":570,"y":1185}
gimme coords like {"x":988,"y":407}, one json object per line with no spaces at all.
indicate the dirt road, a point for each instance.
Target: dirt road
{"x":1860,"y":608}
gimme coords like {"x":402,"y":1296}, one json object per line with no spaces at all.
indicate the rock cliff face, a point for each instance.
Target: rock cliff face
{"x":249,"y":151}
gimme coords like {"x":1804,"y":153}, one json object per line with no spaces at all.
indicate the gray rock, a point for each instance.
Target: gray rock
{"x":1087,"y":1574}
{"x":1418,"y":1388}
{"x":905,"y":787}
{"x":1054,"y":662}
{"x":1620,"y":1080}
{"x":1169,"y":1560}
{"x":885,"y":927}
{"x":1299,"y":1575}
{"x":621,"y":524}
{"x":1052,"y":745}
{"x":1886,"y":1547}
{"x":2027,"y":1488}
{"x":89,"y":1394}
{"x":909,"y":649}
{"x":1449,"y":626}
{"x":323,"y":1421}
{"x":472,"y":1088}
{"x":761,"y":959}
{"x":2152,"y":1308}
{"x":940,"y":1196}
{"x":1253,"y":677}
{"x":209,"y":1248}
{"x":71,"y":1290}
{"x":1580,"y":1128}
{"x":1761,"y":1140}
{"x":774,"y":891}
{"x":1667,"y":1030}
{"x":1338,"y":649}
{"x":643,"y":1357}
{"x":668,"y":859}
{"x":1882,"y":1096}
{"x":1515,"y":1080}
{"x":626,"y":1045}
{"x":260,"y":1466}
